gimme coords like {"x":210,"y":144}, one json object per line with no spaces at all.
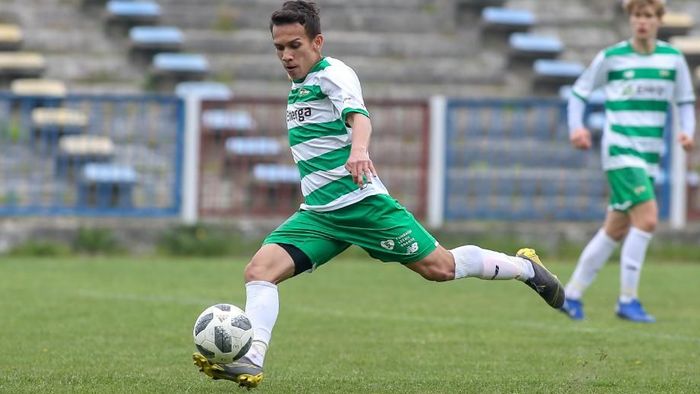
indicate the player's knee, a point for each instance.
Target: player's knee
{"x":438,"y":273}
{"x":254,"y":271}
{"x":647,"y":224}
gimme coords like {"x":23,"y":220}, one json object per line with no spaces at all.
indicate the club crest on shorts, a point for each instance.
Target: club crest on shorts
{"x":413,"y":248}
{"x":388,"y":244}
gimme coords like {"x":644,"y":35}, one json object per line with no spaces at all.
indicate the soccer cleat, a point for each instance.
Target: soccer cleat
{"x":543,"y":282}
{"x":633,"y":311}
{"x":242,"y":371}
{"x":572,"y":308}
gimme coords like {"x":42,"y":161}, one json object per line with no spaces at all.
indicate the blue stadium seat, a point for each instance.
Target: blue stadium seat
{"x":187,"y":63}
{"x":163,"y":38}
{"x":276,"y":173}
{"x":247,"y":151}
{"x":205,"y":90}
{"x":133,"y":10}
{"x":121,"y":15}
{"x":532,"y":46}
{"x":506,"y":19}
{"x":106,"y":185}
{"x":556,"y":72}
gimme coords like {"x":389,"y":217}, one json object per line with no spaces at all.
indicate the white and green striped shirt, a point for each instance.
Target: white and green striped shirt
{"x":317,"y":108}
{"x":639,"y":89}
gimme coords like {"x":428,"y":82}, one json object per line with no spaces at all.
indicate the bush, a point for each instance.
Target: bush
{"x":96,"y":241}
{"x":196,"y":240}
{"x":40,"y":249}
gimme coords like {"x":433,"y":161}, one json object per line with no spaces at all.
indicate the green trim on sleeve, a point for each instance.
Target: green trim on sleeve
{"x":580,"y":97}
{"x":346,"y":111}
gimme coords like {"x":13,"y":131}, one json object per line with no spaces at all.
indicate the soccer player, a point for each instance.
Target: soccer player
{"x":641,"y":77}
{"x":345,"y":202}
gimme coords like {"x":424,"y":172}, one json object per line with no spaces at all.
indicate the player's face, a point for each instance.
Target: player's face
{"x":296,"y":50}
{"x":645,"y":23}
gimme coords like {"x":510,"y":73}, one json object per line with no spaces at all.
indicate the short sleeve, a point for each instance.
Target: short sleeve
{"x":592,"y":78}
{"x":341,"y":85}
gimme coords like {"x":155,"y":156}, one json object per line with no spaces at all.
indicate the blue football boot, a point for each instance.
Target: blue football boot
{"x":573,"y":308}
{"x":633,"y":311}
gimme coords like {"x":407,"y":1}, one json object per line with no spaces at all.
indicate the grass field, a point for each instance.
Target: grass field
{"x":104,"y":325}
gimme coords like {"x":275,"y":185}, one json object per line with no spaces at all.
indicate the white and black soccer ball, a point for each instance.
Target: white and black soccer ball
{"x":223,"y":333}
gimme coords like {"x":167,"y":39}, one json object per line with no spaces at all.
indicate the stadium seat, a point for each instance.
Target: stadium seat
{"x":38,"y":87}
{"x":479,"y":4}
{"x":10,"y":37}
{"x":506,"y":19}
{"x":169,"y":69}
{"x":274,"y":186}
{"x":204,"y":90}
{"x":690,"y":46}
{"x":74,"y":151}
{"x":146,"y":41}
{"x":223,"y":121}
{"x":50,"y":124}
{"x":554,"y":73}
{"x":21,"y":64}
{"x":121,"y":15}
{"x":533,"y":46}
{"x":106,"y":185}
{"x":247,"y":151}
{"x":675,"y":24}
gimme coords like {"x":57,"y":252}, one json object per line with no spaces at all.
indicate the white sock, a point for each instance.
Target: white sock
{"x":631,"y":260}
{"x":473,"y":261}
{"x":592,"y":259}
{"x":262,"y":306}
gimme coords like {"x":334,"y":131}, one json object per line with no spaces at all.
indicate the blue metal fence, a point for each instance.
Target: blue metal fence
{"x":511,"y":159}
{"x":125,"y":159}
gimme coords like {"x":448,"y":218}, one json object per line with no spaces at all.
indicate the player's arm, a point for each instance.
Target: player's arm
{"x":359,"y":164}
{"x":592,"y":78}
{"x":686,"y":112}
{"x":685,"y":98}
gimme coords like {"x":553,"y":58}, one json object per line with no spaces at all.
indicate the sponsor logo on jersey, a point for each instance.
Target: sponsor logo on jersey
{"x":298,"y":114}
{"x":629,"y":74}
{"x":388,"y":244}
{"x":304,"y":92}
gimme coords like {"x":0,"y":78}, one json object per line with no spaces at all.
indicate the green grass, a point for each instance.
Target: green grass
{"x":104,"y":325}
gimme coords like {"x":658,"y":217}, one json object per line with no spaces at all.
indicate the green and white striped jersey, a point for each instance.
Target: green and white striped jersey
{"x":320,"y":139}
{"x":639,"y":89}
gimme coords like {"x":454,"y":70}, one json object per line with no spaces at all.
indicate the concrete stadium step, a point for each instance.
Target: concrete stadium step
{"x":349,"y":43}
{"x":74,"y":45}
{"x":233,"y":17}
{"x":386,"y":70}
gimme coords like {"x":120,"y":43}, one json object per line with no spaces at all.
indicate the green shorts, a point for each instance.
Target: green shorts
{"x":629,"y":187}
{"x":377,"y":224}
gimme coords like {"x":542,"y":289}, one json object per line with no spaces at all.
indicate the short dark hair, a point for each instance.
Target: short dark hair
{"x":298,"y":11}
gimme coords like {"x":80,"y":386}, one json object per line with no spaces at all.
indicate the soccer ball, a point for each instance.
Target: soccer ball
{"x":222,"y":333}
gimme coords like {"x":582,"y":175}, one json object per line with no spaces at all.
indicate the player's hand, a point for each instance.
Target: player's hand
{"x":581,"y":138}
{"x":360,"y":166}
{"x":686,"y":142}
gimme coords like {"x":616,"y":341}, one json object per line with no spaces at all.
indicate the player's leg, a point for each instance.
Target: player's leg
{"x":471,"y":261}
{"x":594,"y":256}
{"x":298,"y":245}
{"x":272,"y":264}
{"x":643,"y":218}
